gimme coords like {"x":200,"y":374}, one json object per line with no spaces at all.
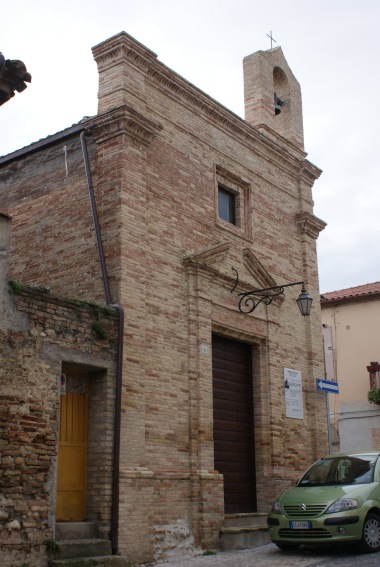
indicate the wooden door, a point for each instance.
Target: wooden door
{"x":233,"y":423}
{"x":72,"y":448}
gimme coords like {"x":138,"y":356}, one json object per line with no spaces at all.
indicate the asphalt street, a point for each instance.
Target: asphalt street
{"x":270,"y":556}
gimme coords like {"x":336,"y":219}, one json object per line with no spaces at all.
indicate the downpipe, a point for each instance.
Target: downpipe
{"x":119,"y":368}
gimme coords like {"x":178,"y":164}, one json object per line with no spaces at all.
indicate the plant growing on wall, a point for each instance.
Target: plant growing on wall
{"x":374,"y":396}
{"x":97,"y":327}
{"x":99,"y":330}
{"x":52,"y":547}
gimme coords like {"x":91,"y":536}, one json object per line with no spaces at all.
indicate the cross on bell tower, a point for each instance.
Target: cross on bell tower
{"x":271,"y":39}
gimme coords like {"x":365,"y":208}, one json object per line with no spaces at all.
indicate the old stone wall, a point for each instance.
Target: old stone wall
{"x":54,"y":332}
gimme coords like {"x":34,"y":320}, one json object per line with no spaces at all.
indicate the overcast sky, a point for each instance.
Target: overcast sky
{"x":332,"y":47}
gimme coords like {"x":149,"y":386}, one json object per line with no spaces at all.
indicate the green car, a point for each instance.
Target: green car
{"x":336,"y":501}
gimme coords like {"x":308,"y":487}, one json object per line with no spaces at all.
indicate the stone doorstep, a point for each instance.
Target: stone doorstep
{"x":244,"y":531}
{"x":252,"y":519}
{"x":106,"y":561}
{"x":75,"y":530}
{"x":244,"y":538}
{"x":77,"y":548}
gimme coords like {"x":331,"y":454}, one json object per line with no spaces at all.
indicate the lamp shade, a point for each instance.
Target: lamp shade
{"x":304,"y":302}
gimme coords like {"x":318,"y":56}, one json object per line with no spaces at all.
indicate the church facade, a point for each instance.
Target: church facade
{"x":192,"y":206}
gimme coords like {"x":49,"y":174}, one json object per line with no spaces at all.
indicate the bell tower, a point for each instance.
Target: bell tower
{"x":272,"y":96}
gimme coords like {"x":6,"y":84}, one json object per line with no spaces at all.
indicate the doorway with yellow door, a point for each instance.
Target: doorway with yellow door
{"x":72,"y":448}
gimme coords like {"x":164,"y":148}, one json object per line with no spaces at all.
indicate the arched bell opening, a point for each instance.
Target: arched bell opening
{"x":281,"y":92}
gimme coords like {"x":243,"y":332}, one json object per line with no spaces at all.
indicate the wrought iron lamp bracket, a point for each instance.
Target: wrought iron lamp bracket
{"x":249,"y":300}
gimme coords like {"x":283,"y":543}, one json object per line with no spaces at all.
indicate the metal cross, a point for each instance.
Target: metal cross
{"x":271,"y":39}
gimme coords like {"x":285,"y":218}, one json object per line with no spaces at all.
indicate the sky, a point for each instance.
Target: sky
{"x":330,"y":45}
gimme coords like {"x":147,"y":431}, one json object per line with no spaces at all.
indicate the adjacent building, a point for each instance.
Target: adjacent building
{"x":216,"y":410}
{"x":350,"y":329}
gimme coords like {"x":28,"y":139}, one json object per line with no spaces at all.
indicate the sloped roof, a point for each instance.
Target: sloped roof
{"x":51,"y":139}
{"x":358,"y":293}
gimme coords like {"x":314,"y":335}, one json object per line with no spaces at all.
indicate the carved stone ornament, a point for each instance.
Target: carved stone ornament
{"x":13,"y":76}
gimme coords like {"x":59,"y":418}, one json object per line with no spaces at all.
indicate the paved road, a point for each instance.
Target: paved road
{"x":270,"y":556}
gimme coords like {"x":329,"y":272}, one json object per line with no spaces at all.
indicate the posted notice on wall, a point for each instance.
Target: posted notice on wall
{"x":293,"y":393}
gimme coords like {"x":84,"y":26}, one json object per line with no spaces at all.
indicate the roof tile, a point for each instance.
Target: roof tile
{"x":351,"y":293}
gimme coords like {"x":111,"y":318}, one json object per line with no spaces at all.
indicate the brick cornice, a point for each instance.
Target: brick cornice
{"x":122,"y":46}
{"x":189,"y":95}
{"x":123,"y":49}
{"x":309,"y":172}
{"x":310,"y":224}
{"x":123,"y":120}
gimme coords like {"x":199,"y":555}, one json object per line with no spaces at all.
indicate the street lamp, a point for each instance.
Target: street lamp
{"x":249,"y":300}
{"x":304,"y":302}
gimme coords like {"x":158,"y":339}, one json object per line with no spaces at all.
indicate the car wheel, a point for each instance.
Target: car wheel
{"x":371,"y":534}
{"x":287,"y":546}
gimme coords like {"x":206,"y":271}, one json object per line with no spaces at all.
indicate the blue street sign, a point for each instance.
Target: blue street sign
{"x":327,"y":386}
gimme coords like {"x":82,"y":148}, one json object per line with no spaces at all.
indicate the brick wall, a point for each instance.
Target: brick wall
{"x":157,"y":149}
{"x":53,"y":240}
{"x":44,"y":333}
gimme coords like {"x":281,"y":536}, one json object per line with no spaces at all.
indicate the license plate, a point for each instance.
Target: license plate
{"x":300,"y":525}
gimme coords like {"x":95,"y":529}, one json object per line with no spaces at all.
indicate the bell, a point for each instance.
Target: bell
{"x":277,"y":104}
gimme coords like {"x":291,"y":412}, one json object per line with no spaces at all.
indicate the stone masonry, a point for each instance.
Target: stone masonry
{"x":40,"y":333}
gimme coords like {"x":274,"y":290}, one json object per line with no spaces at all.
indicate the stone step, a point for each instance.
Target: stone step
{"x":75,"y":530}
{"x":244,"y":531}
{"x":252,"y":519}
{"x":106,"y":561}
{"x":77,"y":548}
{"x":243,"y":537}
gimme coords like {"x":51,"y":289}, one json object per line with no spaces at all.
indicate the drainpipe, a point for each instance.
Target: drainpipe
{"x":119,"y":369}
{"x":96,"y":218}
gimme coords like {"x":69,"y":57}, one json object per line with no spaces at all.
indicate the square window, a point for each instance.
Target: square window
{"x":226,"y":205}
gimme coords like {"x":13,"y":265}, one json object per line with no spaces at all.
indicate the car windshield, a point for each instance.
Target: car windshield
{"x":347,"y":469}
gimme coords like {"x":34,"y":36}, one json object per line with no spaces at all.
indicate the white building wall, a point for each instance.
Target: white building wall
{"x":351,"y":337}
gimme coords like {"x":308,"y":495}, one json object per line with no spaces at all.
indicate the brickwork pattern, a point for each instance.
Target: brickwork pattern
{"x":55,"y":330}
{"x":52,"y":210}
{"x":157,"y":149}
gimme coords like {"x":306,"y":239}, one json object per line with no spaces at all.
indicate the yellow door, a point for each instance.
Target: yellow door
{"x":72,"y":448}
